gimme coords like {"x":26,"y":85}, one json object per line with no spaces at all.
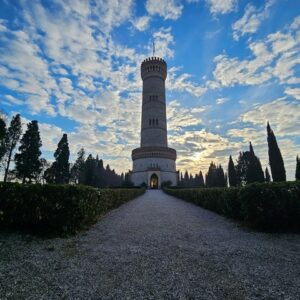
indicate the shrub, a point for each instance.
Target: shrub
{"x":57,"y":208}
{"x":267,"y":206}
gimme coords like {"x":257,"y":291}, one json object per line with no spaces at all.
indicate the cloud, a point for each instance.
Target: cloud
{"x":141,"y":23}
{"x":196,"y":149}
{"x":180,"y":117}
{"x":251,"y":20}
{"x":283,"y":115}
{"x":182,"y":83}
{"x":163,"y":39}
{"x":13,"y":100}
{"x":220,"y":101}
{"x":167,"y":9}
{"x":274,"y":57}
{"x":221,"y":6}
{"x":294,"y":92}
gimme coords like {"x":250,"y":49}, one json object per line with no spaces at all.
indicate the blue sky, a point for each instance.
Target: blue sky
{"x":232,"y":65}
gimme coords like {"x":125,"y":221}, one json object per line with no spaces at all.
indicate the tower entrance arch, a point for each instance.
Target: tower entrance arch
{"x":154,"y":181}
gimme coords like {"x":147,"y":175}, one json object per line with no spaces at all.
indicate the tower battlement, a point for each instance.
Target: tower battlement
{"x":154,"y":66}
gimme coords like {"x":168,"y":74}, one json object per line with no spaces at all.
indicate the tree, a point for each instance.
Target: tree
{"x":232,"y":177}
{"x":60,"y":168}
{"x":267,"y":175}
{"x":186,"y":179}
{"x":297,"y":168}
{"x":89,"y":171}
{"x":2,"y":138}
{"x":275,"y":157}
{"x":201,"y":179}
{"x":49,"y":174}
{"x":215,"y":176}
{"x":248,"y":168}
{"x":28,"y":164}
{"x":12,"y":137}
{"x":78,"y":167}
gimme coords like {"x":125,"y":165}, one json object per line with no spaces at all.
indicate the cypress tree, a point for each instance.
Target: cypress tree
{"x":275,"y":158}
{"x":2,"y":138}
{"x":61,"y":164}
{"x":201,"y":179}
{"x":78,"y":167}
{"x":221,"y":179}
{"x":297,"y":168}
{"x":254,"y":172}
{"x":186,"y":179}
{"x":28,"y":164}
{"x":215,"y":176}
{"x":248,"y":168}
{"x":232,"y":176}
{"x":12,"y":137}
{"x":267,"y":175}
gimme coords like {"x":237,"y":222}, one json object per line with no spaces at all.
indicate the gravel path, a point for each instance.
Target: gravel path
{"x":154,"y":247}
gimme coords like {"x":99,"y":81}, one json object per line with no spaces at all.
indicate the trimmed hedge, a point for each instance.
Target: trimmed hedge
{"x":57,"y":208}
{"x":267,"y":206}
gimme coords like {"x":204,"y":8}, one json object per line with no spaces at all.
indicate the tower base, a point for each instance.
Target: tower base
{"x":154,"y":167}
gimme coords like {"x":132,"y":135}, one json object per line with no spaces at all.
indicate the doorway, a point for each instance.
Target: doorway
{"x":154,"y":181}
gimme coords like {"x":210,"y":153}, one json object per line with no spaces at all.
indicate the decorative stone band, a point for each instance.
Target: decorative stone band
{"x":147,"y":152}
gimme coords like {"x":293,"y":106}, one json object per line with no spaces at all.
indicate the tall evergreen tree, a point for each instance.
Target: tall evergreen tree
{"x":12,"y":137}
{"x":215,"y":176}
{"x":267,"y":175}
{"x":186,"y":178}
{"x":2,"y":138}
{"x":28,"y":164}
{"x":297,"y":175}
{"x":181,"y":179}
{"x":201,"y":179}
{"x":61,"y":165}
{"x":232,"y":177}
{"x":248,"y":168}
{"x":275,"y":157}
{"x":78,"y":167}
{"x":255,"y":172}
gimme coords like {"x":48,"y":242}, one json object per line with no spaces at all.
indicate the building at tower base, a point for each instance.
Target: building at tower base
{"x":154,"y":163}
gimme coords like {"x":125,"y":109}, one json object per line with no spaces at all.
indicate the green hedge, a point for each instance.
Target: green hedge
{"x":57,"y":208}
{"x":267,"y":206}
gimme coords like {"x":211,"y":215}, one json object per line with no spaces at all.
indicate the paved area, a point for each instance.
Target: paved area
{"x":154,"y":247}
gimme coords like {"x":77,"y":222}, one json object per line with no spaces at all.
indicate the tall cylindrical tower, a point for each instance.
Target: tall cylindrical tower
{"x":154,"y":123}
{"x":154,"y":162}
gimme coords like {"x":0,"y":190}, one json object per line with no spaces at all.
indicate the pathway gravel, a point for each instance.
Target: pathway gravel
{"x":154,"y":247}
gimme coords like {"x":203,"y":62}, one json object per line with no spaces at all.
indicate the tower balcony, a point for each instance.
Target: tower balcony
{"x":157,"y":152}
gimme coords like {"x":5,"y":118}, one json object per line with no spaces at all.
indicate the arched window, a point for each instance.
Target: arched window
{"x":156,"y":122}
{"x":153,"y":122}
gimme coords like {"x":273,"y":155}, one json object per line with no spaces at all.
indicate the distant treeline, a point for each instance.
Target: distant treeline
{"x":30,"y":167}
{"x":247,"y":169}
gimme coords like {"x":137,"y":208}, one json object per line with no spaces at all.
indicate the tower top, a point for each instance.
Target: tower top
{"x":154,"y":66}
{"x":154,"y":59}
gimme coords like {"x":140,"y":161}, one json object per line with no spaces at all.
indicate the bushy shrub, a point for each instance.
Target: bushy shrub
{"x":268,"y":206}
{"x":57,"y":208}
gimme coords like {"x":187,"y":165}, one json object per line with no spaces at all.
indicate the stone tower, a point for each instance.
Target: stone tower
{"x":154,"y":162}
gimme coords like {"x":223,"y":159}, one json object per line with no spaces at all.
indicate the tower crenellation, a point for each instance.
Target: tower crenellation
{"x":153,"y":65}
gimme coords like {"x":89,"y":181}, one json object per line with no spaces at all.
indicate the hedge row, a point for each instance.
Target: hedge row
{"x":267,"y":206}
{"x":57,"y":208}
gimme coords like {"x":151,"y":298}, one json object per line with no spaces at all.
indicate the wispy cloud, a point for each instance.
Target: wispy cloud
{"x":251,"y":20}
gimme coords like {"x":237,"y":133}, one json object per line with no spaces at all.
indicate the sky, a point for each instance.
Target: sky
{"x":74,"y":66}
